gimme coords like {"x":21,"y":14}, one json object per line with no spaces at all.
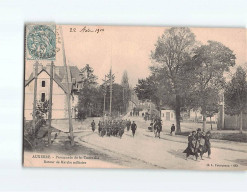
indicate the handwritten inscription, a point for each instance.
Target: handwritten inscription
{"x":86,"y":29}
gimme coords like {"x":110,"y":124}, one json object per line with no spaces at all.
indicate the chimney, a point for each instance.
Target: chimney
{"x":48,"y":68}
{"x":40,"y":67}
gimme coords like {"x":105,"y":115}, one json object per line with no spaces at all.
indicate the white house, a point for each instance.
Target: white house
{"x":167,"y":114}
{"x":196,"y":116}
{"x":59,"y":100}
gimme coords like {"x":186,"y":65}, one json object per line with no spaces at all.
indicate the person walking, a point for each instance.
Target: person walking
{"x":128,"y":125}
{"x":93,"y":126}
{"x":133,"y":128}
{"x":172,"y":129}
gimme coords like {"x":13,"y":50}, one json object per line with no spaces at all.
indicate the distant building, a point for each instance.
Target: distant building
{"x":196,"y":116}
{"x":59,"y":100}
{"x":167,"y":114}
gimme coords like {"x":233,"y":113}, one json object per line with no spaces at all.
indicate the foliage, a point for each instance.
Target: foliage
{"x":172,"y":53}
{"x":126,"y":90}
{"x":88,"y":78}
{"x":236,"y":93}
{"x":89,"y":104}
{"x":117,"y":101}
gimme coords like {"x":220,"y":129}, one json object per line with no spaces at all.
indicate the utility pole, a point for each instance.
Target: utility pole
{"x":35,"y":96}
{"x":50,"y":103}
{"x":123,"y":99}
{"x":223,"y":112}
{"x":67,"y":77}
{"x":104,"y":96}
{"x":110,"y":89}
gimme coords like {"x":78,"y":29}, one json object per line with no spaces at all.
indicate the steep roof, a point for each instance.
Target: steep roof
{"x":56,"y":78}
{"x":59,"y":73}
{"x":75,"y":73}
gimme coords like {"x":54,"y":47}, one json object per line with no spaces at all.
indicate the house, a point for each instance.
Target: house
{"x":60,"y":89}
{"x":167,"y":114}
{"x":196,"y":116}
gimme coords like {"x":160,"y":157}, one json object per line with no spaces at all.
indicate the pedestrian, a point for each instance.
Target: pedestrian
{"x":172,"y":129}
{"x":208,"y":143}
{"x":128,"y":125}
{"x":93,"y":126}
{"x":200,"y":144}
{"x":190,"y":150}
{"x":99,"y":127}
{"x":158,"y":128}
{"x":133,"y":128}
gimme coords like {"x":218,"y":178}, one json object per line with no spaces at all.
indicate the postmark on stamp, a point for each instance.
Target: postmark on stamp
{"x":41,"y":42}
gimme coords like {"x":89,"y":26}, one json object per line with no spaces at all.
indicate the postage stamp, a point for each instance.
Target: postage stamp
{"x":41,"y":42}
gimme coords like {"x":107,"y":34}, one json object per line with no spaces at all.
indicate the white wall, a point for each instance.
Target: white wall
{"x":58,"y":98}
{"x":164,"y":114}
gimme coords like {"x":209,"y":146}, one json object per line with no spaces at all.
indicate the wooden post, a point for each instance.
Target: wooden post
{"x":50,"y":103}
{"x":105,"y":88}
{"x":223,"y":112}
{"x":110,"y":89}
{"x":35,"y":95}
{"x":67,"y":77}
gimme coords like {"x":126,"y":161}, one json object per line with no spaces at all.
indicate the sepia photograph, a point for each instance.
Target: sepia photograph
{"x":135,"y":97}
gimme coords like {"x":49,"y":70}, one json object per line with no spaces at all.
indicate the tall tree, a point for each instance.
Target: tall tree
{"x":88,"y":77}
{"x":88,"y":104}
{"x":211,"y":61}
{"x":151,"y":89}
{"x":172,"y":52}
{"x":236,"y":95}
{"x":126,"y":90}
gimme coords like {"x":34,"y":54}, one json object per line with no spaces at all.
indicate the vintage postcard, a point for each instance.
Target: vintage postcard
{"x":135,"y":97}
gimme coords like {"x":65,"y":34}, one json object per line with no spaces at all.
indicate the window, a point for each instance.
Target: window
{"x":42,"y":97}
{"x":171,"y":115}
{"x":43,"y":83}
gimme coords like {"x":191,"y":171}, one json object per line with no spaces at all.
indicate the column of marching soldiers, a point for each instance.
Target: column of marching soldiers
{"x":198,"y":142}
{"x":114,"y":127}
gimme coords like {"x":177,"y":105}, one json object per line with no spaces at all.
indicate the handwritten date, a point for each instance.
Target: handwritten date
{"x":86,"y":29}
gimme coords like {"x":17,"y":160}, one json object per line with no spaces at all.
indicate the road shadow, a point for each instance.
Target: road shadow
{"x":178,"y":153}
{"x":242,"y":162}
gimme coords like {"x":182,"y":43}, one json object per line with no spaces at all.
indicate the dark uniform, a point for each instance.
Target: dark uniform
{"x":192,"y":148}
{"x":133,"y":128}
{"x":208,"y":143}
{"x":93,"y":126}
{"x":128,"y":125}
{"x":172,"y":128}
{"x":99,"y":127}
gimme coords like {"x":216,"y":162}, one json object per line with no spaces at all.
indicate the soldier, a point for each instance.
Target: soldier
{"x":133,"y":128}
{"x":190,"y":150}
{"x":99,"y":127}
{"x":121,"y":130}
{"x":207,"y":143}
{"x":172,"y":129}
{"x":103,"y":130}
{"x":158,"y":128}
{"x":128,"y":125}
{"x":93,"y":126}
{"x":200,"y":143}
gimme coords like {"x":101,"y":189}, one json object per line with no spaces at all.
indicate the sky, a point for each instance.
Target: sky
{"x":129,"y":48}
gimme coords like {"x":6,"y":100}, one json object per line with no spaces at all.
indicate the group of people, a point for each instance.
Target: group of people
{"x":198,"y":141}
{"x":114,"y":127}
{"x":198,"y":144}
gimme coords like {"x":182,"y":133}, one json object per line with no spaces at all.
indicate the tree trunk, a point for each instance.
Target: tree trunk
{"x":241,"y":122}
{"x":177,"y":112}
{"x":204,"y":122}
